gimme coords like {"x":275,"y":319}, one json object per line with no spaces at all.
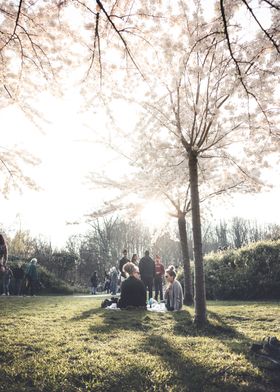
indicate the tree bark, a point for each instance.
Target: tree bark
{"x":188,"y":292}
{"x":199,"y":280}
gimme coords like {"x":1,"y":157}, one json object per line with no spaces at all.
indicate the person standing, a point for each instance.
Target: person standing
{"x":122,"y":262}
{"x":8,"y":274}
{"x":159,"y":273}
{"x":113,"y":280}
{"x":107,"y":282}
{"x":31,"y":276}
{"x":94,"y":283}
{"x":147,"y":272}
{"x":134,"y":259}
{"x":3,"y":251}
{"x":18,"y":276}
{"x":174,"y":293}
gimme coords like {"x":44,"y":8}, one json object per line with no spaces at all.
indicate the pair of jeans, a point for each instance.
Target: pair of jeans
{"x":158,"y":288}
{"x":6,"y":286}
{"x":93,"y":290}
{"x":148,"y":283}
{"x":18,"y":286}
{"x":30,"y":285}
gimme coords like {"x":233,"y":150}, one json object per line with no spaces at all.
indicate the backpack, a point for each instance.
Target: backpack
{"x":108,"y":302}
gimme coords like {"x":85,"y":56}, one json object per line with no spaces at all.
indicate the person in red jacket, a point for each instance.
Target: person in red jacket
{"x":159,"y":273}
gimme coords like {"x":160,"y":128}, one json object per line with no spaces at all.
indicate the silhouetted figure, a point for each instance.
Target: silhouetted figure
{"x":147,"y":272}
{"x":94,"y":283}
{"x":122,"y":262}
{"x":3,"y":251}
{"x":8,"y":274}
{"x":18,"y":276}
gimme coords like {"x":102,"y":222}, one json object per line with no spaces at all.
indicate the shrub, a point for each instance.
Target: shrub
{"x":252,"y":272}
{"x":50,"y":284}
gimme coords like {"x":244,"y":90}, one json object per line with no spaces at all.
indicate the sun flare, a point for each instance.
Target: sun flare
{"x":153,"y":214}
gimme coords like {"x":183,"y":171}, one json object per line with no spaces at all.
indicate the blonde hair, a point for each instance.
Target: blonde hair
{"x":129,"y":268}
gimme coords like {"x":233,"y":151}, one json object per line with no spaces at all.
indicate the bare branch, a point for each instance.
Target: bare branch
{"x":261,"y":27}
{"x":120,"y":36}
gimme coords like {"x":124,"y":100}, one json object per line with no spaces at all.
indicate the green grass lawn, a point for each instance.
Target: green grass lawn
{"x":71,"y":344}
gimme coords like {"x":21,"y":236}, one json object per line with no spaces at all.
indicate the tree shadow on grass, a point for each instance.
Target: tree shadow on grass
{"x":215,"y":326}
{"x":237,"y":342}
{"x":87,"y":313}
{"x":136,"y":320}
{"x":185,"y":373}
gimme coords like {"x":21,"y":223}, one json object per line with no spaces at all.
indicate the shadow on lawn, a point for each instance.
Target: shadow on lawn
{"x":186,"y":374}
{"x":86,"y":314}
{"x":215,"y":327}
{"x":190,"y":374}
{"x":135,"y":320}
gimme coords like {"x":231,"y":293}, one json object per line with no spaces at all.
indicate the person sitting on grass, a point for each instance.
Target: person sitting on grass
{"x":174,"y":293}
{"x":133,"y":292}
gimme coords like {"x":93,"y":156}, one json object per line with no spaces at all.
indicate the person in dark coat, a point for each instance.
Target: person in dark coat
{"x":133,"y":292}
{"x":8,"y":274}
{"x":3,"y":251}
{"x":107,"y":282}
{"x":94,"y":283}
{"x":147,"y":272}
{"x":122,"y":262}
{"x":18,"y":276}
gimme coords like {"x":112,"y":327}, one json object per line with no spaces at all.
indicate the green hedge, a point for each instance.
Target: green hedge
{"x":252,"y":272}
{"x":49,"y":283}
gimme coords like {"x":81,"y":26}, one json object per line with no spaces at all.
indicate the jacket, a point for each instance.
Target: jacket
{"x":174,"y":296}
{"x":147,"y":267}
{"x":133,"y":293}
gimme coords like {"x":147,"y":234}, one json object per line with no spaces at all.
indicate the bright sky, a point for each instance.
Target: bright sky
{"x":68,"y":153}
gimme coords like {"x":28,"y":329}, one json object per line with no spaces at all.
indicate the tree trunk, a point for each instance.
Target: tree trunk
{"x":199,"y":281}
{"x":188,"y":293}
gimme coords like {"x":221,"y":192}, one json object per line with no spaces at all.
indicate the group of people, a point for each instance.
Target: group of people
{"x":137,"y":278}
{"x":24,"y":279}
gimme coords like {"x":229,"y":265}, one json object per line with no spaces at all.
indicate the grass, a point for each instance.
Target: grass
{"x":71,"y":344}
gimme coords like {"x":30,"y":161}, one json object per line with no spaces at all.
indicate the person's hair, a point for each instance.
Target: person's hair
{"x":134,"y":256}
{"x":33,"y":261}
{"x":171,"y":271}
{"x":124,"y":251}
{"x":147,"y":253}
{"x":129,"y":268}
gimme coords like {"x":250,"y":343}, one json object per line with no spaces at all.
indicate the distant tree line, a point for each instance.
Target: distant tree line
{"x":236,"y":233}
{"x":101,"y":247}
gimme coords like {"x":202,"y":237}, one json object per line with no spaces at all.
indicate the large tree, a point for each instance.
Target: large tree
{"x":199,"y":98}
